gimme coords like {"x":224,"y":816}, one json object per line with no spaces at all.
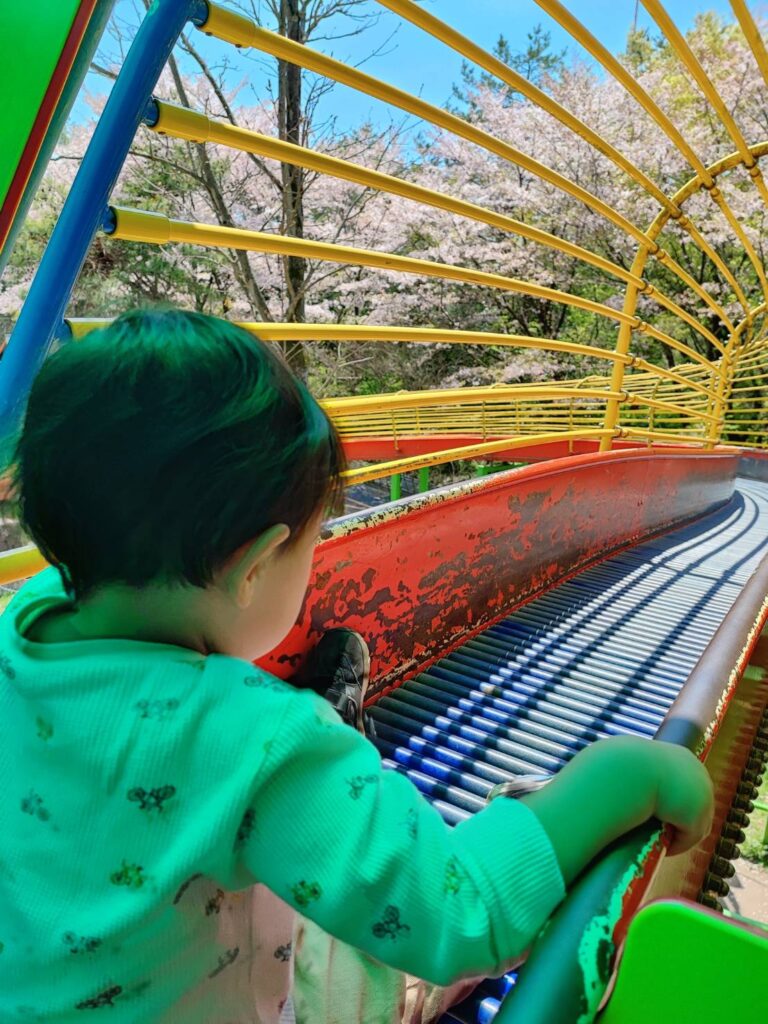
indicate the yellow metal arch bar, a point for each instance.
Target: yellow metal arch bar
{"x":653,"y":332}
{"x":592,"y":45}
{"x":661,"y":435}
{"x":630,"y":302}
{"x":753,"y":372}
{"x":695,"y":184}
{"x":180,"y":122}
{"x":753,"y":352}
{"x":189,"y":124}
{"x":719,"y":199}
{"x":624,"y":340}
{"x":752,"y":35}
{"x":755,"y":364}
{"x":440,"y":30}
{"x":472,"y":451}
{"x":20,"y":563}
{"x":725,"y":163}
{"x":689,"y":59}
{"x":746,"y":372}
{"x":365,"y":407}
{"x":758,"y":343}
{"x":139,"y":226}
{"x":456,"y":396}
{"x":725,"y":383}
{"x":755,"y":341}
{"x":653,"y":403}
{"x":269,"y":331}
{"x":755,"y":349}
{"x":582,"y":35}
{"x":687,"y":225}
{"x":650,"y":368}
{"x":272,"y":331}
{"x":653,"y":293}
{"x":241,"y":31}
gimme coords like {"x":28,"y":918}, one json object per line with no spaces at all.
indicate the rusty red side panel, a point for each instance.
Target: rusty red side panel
{"x":378,"y":449}
{"x":418,"y":576}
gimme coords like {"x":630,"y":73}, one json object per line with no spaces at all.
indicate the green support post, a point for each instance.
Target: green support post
{"x":763,"y":807}
{"x":395,"y":487}
{"x":423,"y":479}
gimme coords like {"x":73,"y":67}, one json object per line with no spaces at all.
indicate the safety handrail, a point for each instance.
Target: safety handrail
{"x":569,"y":966}
{"x":666,"y":407}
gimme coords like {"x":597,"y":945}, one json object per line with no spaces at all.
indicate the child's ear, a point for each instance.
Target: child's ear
{"x":243,"y":567}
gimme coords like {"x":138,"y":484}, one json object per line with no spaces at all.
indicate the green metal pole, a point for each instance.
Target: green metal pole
{"x":763,"y":807}
{"x":423,"y":479}
{"x":395,"y":487}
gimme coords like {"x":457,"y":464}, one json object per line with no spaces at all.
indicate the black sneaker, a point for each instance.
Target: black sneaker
{"x":339,"y":669}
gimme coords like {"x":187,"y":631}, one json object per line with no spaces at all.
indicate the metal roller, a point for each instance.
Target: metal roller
{"x":603,"y":653}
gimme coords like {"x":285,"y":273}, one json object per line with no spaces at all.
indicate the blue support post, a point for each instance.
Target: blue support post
{"x":41,"y":320}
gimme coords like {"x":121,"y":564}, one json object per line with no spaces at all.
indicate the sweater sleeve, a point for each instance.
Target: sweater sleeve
{"x":357,"y":849}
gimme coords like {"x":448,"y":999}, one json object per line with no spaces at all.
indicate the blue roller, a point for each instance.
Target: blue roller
{"x":605,"y":652}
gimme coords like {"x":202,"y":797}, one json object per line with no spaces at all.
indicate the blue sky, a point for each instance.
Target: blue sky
{"x":421,"y":65}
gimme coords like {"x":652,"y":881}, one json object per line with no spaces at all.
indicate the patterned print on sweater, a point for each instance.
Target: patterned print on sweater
{"x":152,"y":799}
{"x":389,"y":926}
{"x":84,"y":944}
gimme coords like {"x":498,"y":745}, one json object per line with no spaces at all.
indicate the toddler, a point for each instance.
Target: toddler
{"x":169,"y":809}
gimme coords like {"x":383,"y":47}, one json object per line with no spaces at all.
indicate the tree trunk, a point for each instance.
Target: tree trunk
{"x":292,"y":26}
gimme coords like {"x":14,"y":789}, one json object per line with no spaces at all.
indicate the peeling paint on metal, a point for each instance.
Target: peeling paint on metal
{"x":733,"y":681}
{"x":598,"y":947}
{"x":420,"y":575}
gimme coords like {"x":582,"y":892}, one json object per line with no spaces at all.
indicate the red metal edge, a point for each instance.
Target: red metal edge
{"x":638,"y":890}
{"x":542,"y":453}
{"x":377,"y":449}
{"x":730,"y":690}
{"x":45,"y":113}
{"x":531,"y":597}
{"x":419,"y":576}
{"x":566,"y":464}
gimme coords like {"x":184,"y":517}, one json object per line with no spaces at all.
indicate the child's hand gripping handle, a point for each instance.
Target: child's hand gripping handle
{"x":614,"y":785}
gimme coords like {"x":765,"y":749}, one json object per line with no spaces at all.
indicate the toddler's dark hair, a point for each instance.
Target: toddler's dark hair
{"x":155,"y":447}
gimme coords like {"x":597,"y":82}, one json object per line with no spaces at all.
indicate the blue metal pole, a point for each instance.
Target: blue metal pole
{"x":41,"y":318}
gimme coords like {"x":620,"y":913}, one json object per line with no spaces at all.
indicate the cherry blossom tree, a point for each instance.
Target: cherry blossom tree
{"x":208,"y":184}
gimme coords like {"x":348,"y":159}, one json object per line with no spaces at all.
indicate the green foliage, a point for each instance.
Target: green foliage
{"x":754,"y":849}
{"x":535,"y":62}
{"x":169,"y":177}
{"x":642,"y":51}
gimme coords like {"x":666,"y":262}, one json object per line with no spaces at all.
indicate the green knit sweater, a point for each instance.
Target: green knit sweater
{"x":132,"y":771}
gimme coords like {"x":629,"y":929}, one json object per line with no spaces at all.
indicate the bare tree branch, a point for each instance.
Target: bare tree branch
{"x":104,"y":72}
{"x":211,"y":78}
{"x":242,"y":266}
